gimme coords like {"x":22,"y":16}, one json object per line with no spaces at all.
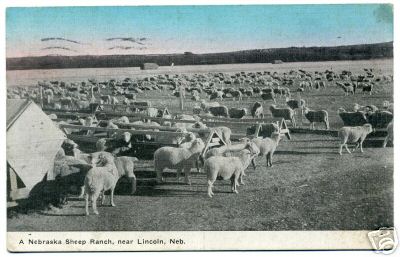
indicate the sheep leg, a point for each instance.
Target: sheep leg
{"x":355,"y":148}
{"x":94,"y":202}
{"x":198,"y":166}
{"x":178,"y":171}
{"x":102,"y":197}
{"x":236,"y":184}
{"x":361,"y":148}
{"x":253,"y":162}
{"x":133,"y":183}
{"x":241,"y":179}
{"x":385,"y":141}
{"x":187,"y":173}
{"x":340,"y":149}
{"x":233,"y":184}
{"x":268,"y":157}
{"x":112,"y":196}
{"x":87,"y":204}
{"x":347,"y":148}
{"x":82,"y":192}
{"x":159,"y":176}
{"x":209,"y":189}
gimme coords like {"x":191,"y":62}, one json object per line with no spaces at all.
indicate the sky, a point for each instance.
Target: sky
{"x":198,"y":29}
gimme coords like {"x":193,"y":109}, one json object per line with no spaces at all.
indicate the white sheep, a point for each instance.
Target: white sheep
{"x":267,"y":147}
{"x":316,"y":116}
{"x":177,"y":158}
{"x":125,"y":166}
{"x":228,"y":168}
{"x":353,"y":135}
{"x":100,"y":179}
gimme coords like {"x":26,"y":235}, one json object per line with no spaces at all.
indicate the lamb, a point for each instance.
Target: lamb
{"x":177,"y":158}
{"x":267,"y":147}
{"x":100,"y":179}
{"x":237,"y":113}
{"x":228,"y":168}
{"x":353,"y":135}
{"x":286,"y":113}
{"x":316,"y":116}
{"x":257,"y":110}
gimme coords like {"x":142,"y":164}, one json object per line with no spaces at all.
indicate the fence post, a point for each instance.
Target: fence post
{"x":41,"y":96}
{"x":301,"y":107}
{"x":181,"y":91}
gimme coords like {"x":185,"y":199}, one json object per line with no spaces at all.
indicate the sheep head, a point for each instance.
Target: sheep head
{"x":252,"y":147}
{"x":197,"y":146}
{"x":276,"y":136}
{"x":126,"y":137}
{"x":199,"y":125}
{"x":368,"y":128}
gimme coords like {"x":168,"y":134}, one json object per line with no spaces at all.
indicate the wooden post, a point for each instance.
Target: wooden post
{"x":92,"y":100}
{"x":301,"y":108}
{"x":181,"y":91}
{"x":41,"y":96}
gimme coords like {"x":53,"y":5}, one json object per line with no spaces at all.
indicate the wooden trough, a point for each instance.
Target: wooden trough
{"x":213,"y":138}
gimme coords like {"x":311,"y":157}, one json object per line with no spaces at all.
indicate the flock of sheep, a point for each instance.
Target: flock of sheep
{"x":109,"y":163}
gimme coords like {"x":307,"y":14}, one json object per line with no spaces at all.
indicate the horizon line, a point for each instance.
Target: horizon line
{"x":191,"y":52}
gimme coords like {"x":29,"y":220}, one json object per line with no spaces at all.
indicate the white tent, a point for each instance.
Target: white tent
{"x":32,"y":143}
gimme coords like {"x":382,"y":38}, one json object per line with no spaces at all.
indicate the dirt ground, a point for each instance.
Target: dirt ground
{"x":310,"y":187}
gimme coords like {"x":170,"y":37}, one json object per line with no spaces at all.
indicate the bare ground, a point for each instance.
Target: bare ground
{"x":310,"y":187}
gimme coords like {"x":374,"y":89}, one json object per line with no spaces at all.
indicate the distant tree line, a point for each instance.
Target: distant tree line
{"x":291,"y":54}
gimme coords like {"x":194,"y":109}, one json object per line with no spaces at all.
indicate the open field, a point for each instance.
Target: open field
{"x":31,"y":77}
{"x":310,"y":187}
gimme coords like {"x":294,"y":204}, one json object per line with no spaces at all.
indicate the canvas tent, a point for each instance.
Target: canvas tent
{"x":32,"y":143}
